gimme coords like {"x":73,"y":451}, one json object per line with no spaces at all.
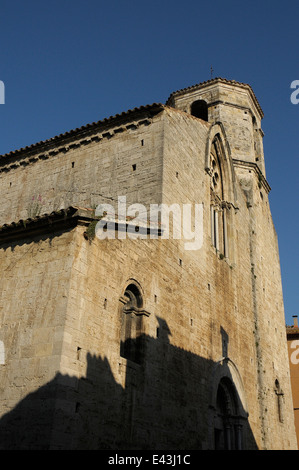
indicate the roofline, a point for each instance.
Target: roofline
{"x":218,"y":80}
{"x":60,"y":220}
{"x":84,"y":130}
{"x":292,"y":330}
{"x":118,"y":118}
{"x":63,"y":220}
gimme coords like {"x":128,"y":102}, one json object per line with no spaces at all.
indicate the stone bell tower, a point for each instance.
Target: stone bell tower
{"x":233,"y":104}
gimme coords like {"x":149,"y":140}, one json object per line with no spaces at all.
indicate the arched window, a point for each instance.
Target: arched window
{"x":199,"y":109}
{"x":228,"y":429}
{"x":218,"y":205}
{"x":132,"y":314}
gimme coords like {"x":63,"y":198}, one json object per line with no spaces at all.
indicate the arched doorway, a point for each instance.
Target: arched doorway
{"x":227,"y":425}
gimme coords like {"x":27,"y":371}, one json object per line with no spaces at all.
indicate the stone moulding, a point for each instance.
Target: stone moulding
{"x":254,"y":167}
{"x":62,"y":220}
{"x":137,"y":311}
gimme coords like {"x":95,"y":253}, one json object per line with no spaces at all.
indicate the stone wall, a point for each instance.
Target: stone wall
{"x":207,"y":316}
{"x":93,"y":166}
{"x":34,"y":295}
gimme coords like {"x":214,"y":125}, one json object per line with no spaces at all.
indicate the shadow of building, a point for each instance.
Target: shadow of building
{"x":172,"y":400}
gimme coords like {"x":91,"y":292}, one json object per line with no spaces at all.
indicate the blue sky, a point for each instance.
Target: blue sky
{"x":70,"y":62}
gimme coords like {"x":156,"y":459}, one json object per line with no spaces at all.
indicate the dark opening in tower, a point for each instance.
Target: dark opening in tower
{"x":199,"y":109}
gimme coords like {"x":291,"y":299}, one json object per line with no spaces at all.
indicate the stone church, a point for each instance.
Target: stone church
{"x":115,"y":336}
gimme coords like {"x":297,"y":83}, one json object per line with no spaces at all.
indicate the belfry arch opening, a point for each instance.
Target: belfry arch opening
{"x":199,"y":109}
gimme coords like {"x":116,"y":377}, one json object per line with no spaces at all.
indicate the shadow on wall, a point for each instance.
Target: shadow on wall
{"x":172,"y":400}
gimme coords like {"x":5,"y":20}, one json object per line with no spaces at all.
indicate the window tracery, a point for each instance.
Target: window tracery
{"x":218,"y":206}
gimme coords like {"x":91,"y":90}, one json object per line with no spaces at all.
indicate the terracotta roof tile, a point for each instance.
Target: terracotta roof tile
{"x":155,"y":107}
